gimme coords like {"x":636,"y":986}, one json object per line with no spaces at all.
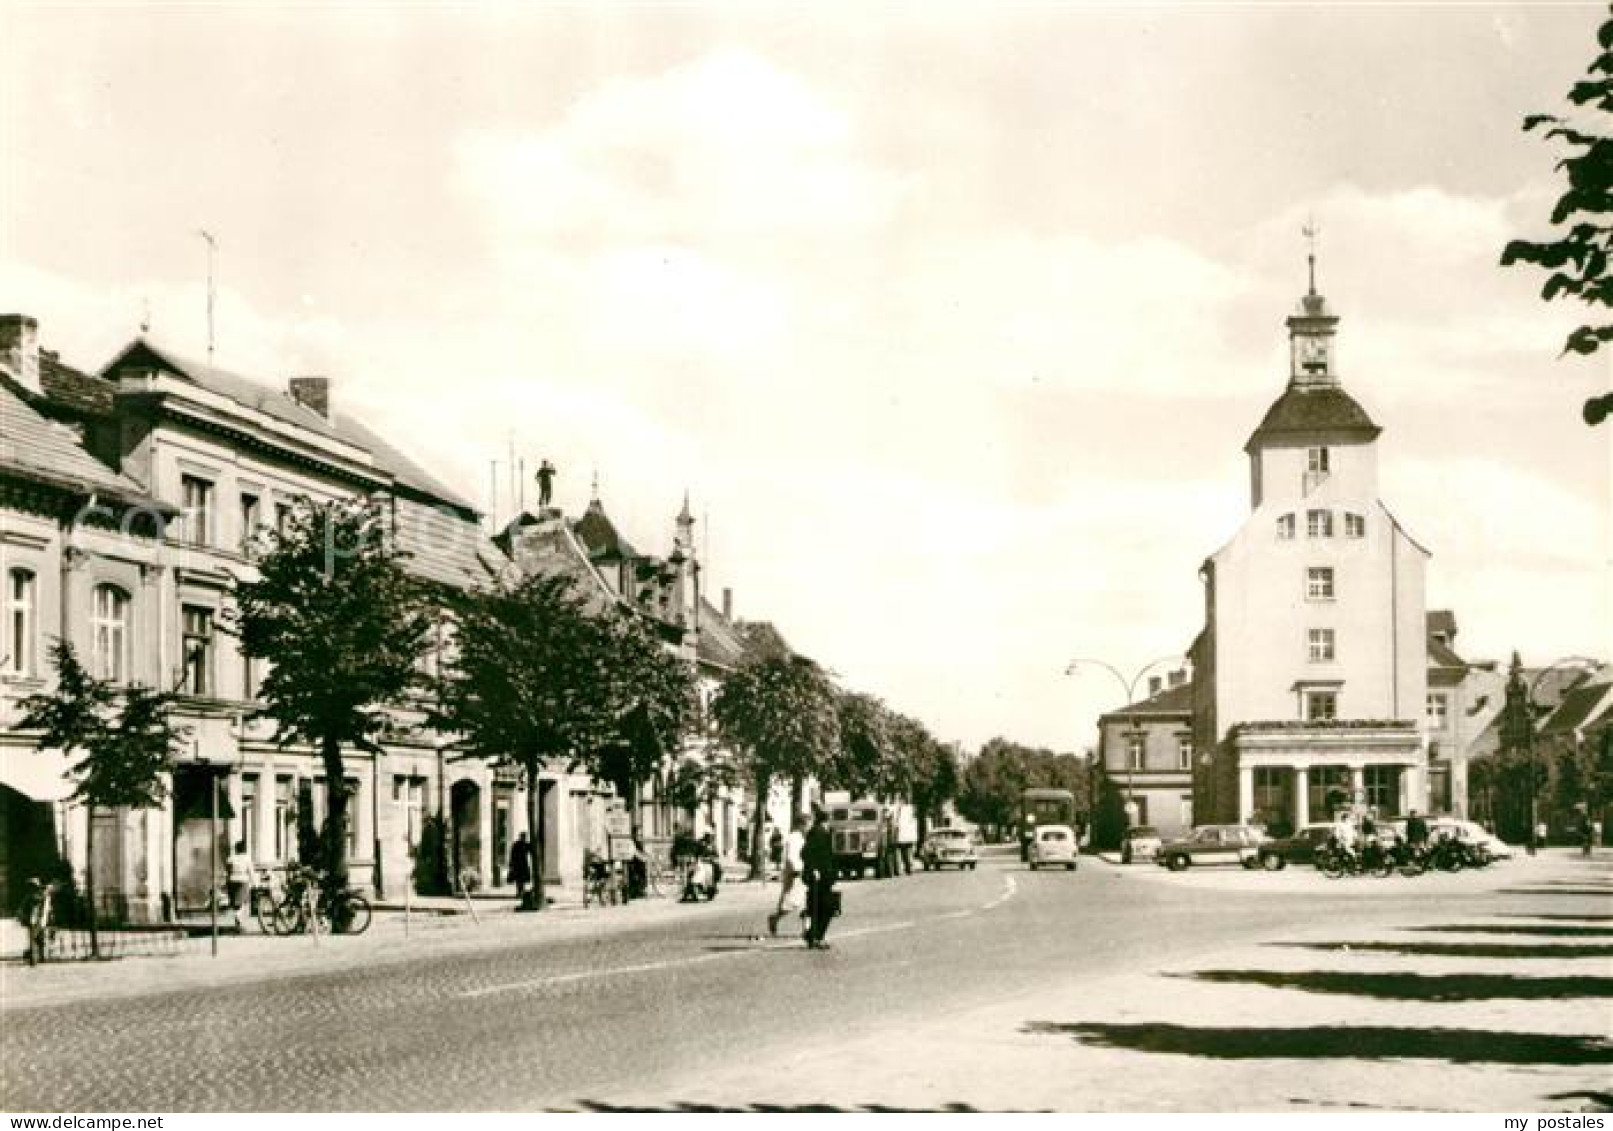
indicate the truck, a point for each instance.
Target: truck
{"x":857,"y":832}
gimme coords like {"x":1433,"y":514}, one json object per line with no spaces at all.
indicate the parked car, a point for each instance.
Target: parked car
{"x":1212,"y":844}
{"x":949,"y":848}
{"x":1140,"y":842}
{"x":1473,"y":833}
{"x":1298,"y":848}
{"x":1054,"y":845}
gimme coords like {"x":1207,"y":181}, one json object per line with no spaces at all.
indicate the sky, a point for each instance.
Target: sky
{"x":952,"y":319}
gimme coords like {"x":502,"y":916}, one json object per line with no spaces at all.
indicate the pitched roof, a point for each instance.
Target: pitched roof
{"x":72,"y":388}
{"x":445,"y":547}
{"x":719,"y":641}
{"x":398,"y":465}
{"x":45,"y":451}
{"x":1442,"y":656}
{"x":242,"y":390}
{"x":1301,"y":413}
{"x":1176,"y":700}
{"x":1582,"y":705}
{"x":599,"y":534}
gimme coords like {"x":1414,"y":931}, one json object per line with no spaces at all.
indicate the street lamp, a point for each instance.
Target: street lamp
{"x":1137,"y":731}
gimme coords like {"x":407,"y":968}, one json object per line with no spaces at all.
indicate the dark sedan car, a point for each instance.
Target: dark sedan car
{"x":1298,"y":848}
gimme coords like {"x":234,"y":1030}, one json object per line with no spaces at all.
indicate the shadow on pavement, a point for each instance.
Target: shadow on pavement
{"x":1555,"y":891}
{"x":1415,"y":987}
{"x":1519,"y":929}
{"x":1469,"y":950}
{"x":768,"y":1109}
{"x":1594,"y":1101}
{"x":1458,"y":1046}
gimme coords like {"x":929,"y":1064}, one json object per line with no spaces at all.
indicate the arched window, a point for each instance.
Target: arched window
{"x":18,"y":657}
{"x":109,"y":623}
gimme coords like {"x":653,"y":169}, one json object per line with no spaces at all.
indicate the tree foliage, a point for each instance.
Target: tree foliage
{"x":342,"y":625}
{"x":776,"y":713}
{"x":1577,"y":259}
{"x":124,"y":736}
{"x":995,"y":778}
{"x":540,"y":676}
{"x":864,"y":761}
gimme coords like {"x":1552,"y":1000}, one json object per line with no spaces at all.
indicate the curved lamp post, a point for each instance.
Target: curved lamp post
{"x":1533,"y":707}
{"x":1130,"y":687}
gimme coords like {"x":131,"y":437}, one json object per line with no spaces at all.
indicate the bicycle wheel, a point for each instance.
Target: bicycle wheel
{"x":358,"y":913}
{"x":290,"y":916}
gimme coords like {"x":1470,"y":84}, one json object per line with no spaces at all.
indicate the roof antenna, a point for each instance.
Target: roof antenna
{"x":212,"y":249}
{"x":1311,"y":232}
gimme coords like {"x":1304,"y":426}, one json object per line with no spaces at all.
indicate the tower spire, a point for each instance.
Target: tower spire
{"x":1311,"y":233}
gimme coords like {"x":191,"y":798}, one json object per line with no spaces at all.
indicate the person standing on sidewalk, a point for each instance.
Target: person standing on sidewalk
{"x":907,"y":836}
{"x":790,"y":900}
{"x":818,"y":867}
{"x":521,"y":868}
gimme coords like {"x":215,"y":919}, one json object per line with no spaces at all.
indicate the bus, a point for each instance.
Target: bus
{"x":1046,"y":807}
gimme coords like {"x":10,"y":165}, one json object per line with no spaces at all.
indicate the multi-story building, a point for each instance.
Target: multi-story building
{"x":1146,"y":750}
{"x":1310,"y":678}
{"x":129,"y":498}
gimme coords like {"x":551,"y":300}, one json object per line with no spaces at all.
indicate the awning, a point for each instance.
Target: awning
{"x":42,"y":775}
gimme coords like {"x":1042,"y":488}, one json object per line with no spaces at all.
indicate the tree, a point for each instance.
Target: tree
{"x":126,"y":739}
{"x":342,"y":626}
{"x":863,"y":763}
{"x":777,"y":713}
{"x":1577,"y":259}
{"x":1003,"y":770}
{"x":657,"y":704}
{"x":542,"y":675}
{"x":931,"y":768}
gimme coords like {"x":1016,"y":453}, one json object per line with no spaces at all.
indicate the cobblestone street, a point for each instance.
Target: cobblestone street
{"x":1113,"y":988}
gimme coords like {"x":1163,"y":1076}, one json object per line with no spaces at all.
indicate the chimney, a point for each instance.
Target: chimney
{"x":312,"y":392}
{"x":19,"y":349}
{"x":1177,"y":677}
{"x":727,"y":603}
{"x":1153,"y":686}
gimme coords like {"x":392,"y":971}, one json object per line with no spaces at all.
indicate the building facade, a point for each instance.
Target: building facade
{"x":1311,"y":672}
{"x":130,"y":499}
{"x":1146,"y":750}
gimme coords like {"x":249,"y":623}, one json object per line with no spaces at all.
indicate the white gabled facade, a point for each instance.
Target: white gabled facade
{"x":1310,"y":677}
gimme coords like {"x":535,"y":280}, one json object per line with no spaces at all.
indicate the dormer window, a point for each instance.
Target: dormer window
{"x":1319,"y":524}
{"x":1285,"y":527}
{"x":1316,"y":461}
{"x":1355,"y":526}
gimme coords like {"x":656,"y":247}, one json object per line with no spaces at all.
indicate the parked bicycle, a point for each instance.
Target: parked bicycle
{"x":306,"y":905}
{"x":602,"y":882}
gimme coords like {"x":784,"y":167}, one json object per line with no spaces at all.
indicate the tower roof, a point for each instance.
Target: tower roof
{"x":1319,"y":412}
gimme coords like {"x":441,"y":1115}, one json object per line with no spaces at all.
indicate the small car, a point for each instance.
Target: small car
{"x":1473,"y":833}
{"x":1140,"y":842}
{"x":1054,"y":845}
{"x":1297,"y":848}
{"x":1212,"y":844}
{"x":949,"y":848}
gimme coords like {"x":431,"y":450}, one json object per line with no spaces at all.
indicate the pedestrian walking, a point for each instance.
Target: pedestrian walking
{"x":520,"y":871}
{"x":907,"y":836}
{"x":775,"y":848}
{"x":1416,"y":830}
{"x":240,"y":875}
{"x":792,"y":894}
{"x":818,"y":868}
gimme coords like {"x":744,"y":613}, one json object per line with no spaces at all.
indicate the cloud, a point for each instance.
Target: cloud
{"x":726,"y":146}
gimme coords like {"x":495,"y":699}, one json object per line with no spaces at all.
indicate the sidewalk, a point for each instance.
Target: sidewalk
{"x":393,"y":937}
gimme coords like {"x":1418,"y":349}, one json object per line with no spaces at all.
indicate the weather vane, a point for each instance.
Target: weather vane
{"x":1311,"y":231}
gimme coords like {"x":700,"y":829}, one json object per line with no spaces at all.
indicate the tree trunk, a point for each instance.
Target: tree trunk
{"x":758,"y":847}
{"x":335,"y":835}
{"x":89,"y":880}
{"x":797,"y":787}
{"x":534,"y":805}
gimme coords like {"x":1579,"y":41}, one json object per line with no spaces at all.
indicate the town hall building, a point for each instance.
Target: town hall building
{"x":1310,"y":676}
